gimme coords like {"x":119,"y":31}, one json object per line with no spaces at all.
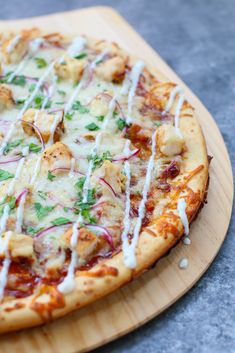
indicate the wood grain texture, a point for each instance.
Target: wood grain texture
{"x":157,"y":289}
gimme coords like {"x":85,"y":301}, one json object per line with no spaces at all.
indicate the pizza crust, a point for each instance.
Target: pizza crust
{"x":110,"y":274}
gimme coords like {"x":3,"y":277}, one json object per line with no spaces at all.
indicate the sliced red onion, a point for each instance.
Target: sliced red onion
{"x":12,"y":160}
{"x":58,"y":202}
{"x":65,"y":169}
{"x":125,"y":158}
{"x":37,"y":131}
{"x":5,"y":122}
{"x":102,"y":231}
{"x":48,"y":229}
{"x":18,"y":198}
{"x":98,"y":204}
{"x":109,"y":186}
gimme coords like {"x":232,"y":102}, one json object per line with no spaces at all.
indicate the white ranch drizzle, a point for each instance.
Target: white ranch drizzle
{"x":77,"y":46}
{"x":124,"y":236}
{"x":6,"y":264}
{"x":134,"y":76}
{"x":33,"y":47}
{"x":181,"y":207}
{"x":130,"y":261}
{"x":13,"y":43}
{"x":68,"y":284}
{"x":176,"y":90}
{"x":183,"y":263}
{"x":56,"y":121}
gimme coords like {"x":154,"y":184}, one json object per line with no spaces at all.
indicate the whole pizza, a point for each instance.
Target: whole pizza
{"x":103,"y":166}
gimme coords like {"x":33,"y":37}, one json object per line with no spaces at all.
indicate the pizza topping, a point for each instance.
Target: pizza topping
{"x":181,"y":207}
{"x":169,"y":141}
{"x":6,"y":98}
{"x":90,"y":185}
{"x":183,"y":263}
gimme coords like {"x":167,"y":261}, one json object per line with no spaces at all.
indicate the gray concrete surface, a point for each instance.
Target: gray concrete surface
{"x":197,"y":38}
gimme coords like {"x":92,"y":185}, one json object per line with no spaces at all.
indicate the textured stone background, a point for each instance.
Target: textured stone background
{"x":197,"y":39}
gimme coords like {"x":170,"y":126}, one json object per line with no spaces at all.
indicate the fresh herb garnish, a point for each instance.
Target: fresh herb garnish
{"x":33,"y":231}
{"x":59,"y":103}
{"x":81,"y":56}
{"x":61,"y":92}
{"x":20,"y":101}
{"x":12,"y":202}
{"x":19,"y":81}
{"x":99,"y":160}
{"x":60,"y":221}
{"x":100,"y":117}
{"x":11,"y":145}
{"x":4,"y":175}
{"x":41,"y":63}
{"x":121,"y":124}
{"x":42,"y":194}
{"x":41,"y":211}
{"x":157,"y":123}
{"x":38,"y":102}
{"x":92,"y":127}
{"x":78,"y":106}
{"x":50,"y":176}
{"x":32,"y":87}
{"x":80,"y":183}
{"x":34,"y":148}
{"x":69,"y":116}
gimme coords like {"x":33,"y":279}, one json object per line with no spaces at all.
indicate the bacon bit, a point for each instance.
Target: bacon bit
{"x":101,"y":272}
{"x":171,"y":171}
{"x":164,"y":186}
{"x":44,"y":309}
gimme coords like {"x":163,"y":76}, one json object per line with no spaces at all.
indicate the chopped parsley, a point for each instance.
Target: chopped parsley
{"x":92,"y":127}
{"x":61,"y":92}
{"x":33,"y":231}
{"x":11,"y":145}
{"x":20,"y":101}
{"x":42,"y":194}
{"x":121,"y":124}
{"x":81,"y":108}
{"x":80,"y":183}
{"x":81,"y":56}
{"x":50,"y":176}
{"x":34,"y":148}
{"x":69,"y":116}
{"x":19,"y":81}
{"x":60,"y":221}
{"x":100,"y":117}
{"x":41,"y":211}
{"x":99,"y":160}
{"x":157,"y":123}
{"x":10,"y":201}
{"x":4,"y":175}
{"x":41,"y":63}
{"x":32,"y":87}
{"x":38,"y":102}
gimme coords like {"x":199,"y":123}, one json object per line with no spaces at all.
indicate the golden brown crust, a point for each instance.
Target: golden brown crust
{"x":156,"y":239}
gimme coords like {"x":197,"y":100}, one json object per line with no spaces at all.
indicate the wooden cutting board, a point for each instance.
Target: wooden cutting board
{"x":157,"y":289}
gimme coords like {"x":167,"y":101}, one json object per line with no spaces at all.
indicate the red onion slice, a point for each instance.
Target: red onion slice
{"x":18,"y":198}
{"x":125,"y":158}
{"x":13,"y":160}
{"x":48,"y":229}
{"x":109,"y":186}
{"x":102,"y":232}
{"x":37,"y":131}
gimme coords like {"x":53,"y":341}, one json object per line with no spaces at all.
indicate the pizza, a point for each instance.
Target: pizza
{"x":103,"y":166}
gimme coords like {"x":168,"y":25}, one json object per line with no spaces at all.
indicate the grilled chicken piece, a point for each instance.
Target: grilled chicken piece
{"x":70,"y":69}
{"x":6,"y":97}
{"x":57,"y":156}
{"x":169,"y":141}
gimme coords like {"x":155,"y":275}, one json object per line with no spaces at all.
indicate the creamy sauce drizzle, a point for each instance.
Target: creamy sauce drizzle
{"x":77,"y":46}
{"x":68,"y":284}
{"x":181,"y":207}
{"x":125,"y":240}
{"x":130,"y":260}
{"x":134,"y":76}
{"x":13,"y":43}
